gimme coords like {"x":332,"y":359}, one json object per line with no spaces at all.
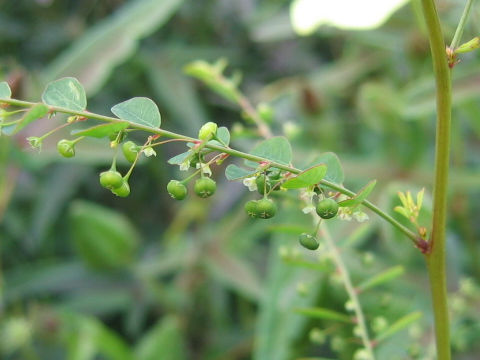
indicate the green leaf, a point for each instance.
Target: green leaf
{"x":180,"y":158}
{"x":382,"y":278}
{"x":334,"y":167}
{"x":164,"y":341}
{"x":223,"y":135}
{"x":5,"y":91}
{"x":306,"y":178}
{"x":276,"y":149}
{"x":361,"y":196}
{"x":234,"y":172}
{"x":92,"y":56}
{"x":103,"y":238}
{"x":102,"y":130}
{"x":67,"y":93}
{"x":326,"y":314}
{"x":38,"y":111}
{"x":86,"y":337}
{"x":139,"y":110}
{"x":398,"y":325}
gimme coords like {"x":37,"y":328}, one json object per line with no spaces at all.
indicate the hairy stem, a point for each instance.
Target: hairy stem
{"x":410,"y":234}
{"x":435,"y":258}
{"x":352,"y":294}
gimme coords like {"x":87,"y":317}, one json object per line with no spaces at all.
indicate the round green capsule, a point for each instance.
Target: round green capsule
{"x":176,"y":189}
{"x":111,"y":179}
{"x":308,"y":241}
{"x":123,"y":190}
{"x":66,"y":148}
{"x":251,"y":208}
{"x":327,"y":208}
{"x":130,"y":151}
{"x":207,"y":131}
{"x":266,"y":209}
{"x":205,"y":187}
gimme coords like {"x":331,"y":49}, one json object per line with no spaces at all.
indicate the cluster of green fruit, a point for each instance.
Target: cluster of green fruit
{"x":326,"y":209}
{"x":204,"y":187}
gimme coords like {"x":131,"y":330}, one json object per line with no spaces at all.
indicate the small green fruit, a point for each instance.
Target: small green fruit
{"x":266,"y":208}
{"x":66,"y":148}
{"x":327,"y":208}
{"x":123,"y":190}
{"x":205,"y":187}
{"x":130,"y":151}
{"x":261,"y":185}
{"x":251,"y":208}
{"x":111,"y":179}
{"x":207,"y":131}
{"x":308,"y":241}
{"x":176,"y":189}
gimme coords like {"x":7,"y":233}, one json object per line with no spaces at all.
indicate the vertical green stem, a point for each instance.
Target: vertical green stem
{"x":435,"y":258}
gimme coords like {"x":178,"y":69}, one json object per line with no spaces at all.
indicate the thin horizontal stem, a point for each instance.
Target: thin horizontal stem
{"x":410,"y":234}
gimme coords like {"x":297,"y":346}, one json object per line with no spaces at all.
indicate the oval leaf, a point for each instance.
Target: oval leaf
{"x":36,"y":112}
{"x":360,"y":197}
{"x":67,"y":93}
{"x":139,"y":110}
{"x":180,"y":158}
{"x":276,"y":149}
{"x":103,"y":130}
{"x":5,"y":91}
{"x":233,"y":172}
{"x":223,"y":135}
{"x":334,"y":167}
{"x":307,"y":178}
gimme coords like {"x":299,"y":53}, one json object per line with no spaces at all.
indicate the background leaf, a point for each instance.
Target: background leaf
{"x":334,"y":167}
{"x":164,"y":341}
{"x":92,"y":57}
{"x":139,"y":110}
{"x":5,"y":91}
{"x":67,"y":93}
{"x":277,"y":149}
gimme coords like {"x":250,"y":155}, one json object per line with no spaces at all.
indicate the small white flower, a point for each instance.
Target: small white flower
{"x":345,"y":213}
{"x":185,"y":165}
{"x":148,"y":151}
{"x":307,"y":195}
{"x":360,"y":216}
{"x":250,"y":183}
{"x":308,"y":209}
{"x":205,"y":169}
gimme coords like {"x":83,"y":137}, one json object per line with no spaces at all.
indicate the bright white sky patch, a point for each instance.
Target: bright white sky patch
{"x":308,"y":15}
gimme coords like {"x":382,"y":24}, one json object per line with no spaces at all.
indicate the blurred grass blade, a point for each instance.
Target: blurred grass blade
{"x":381,"y":278}
{"x":400,"y":324}
{"x":92,"y":57}
{"x":87,"y":338}
{"x":164,"y":341}
{"x":326,"y":314}
{"x":235,"y":273}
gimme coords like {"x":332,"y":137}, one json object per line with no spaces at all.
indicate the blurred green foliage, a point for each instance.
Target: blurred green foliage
{"x":85,"y":275}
